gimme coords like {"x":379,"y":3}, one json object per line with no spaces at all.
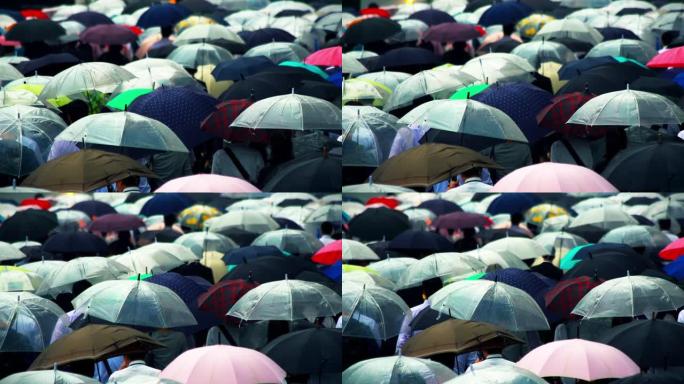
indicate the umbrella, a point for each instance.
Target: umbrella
{"x":626,"y":175}
{"x":369,"y":279}
{"x":570,"y":30}
{"x":247,"y":220}
{"x":96,"y":169}
{"x":94,"y":342}
{"x":371,"y":312}
{"x":39,"y":125}
{"x":327,"y":57}
{"x":34,"y":30}
{"x":561,"y":109}
{"x":11,"y":252}
{"x":249,"y":253}
{"x":354,"y":250}
{"x":153,"y":73}
{"x":606,"y":263}
{"x":93,"y":269}
{"x":75,"y":243}
{"x":164,"y":204}
{"x":264,"y":36}
{"x":521,"y":247}
{"x":162,"y":15}
{"x":553,"y":177}
{"x":432,"y":17}
{"x":564,"y":296}
{"x":136,"y":303}
{"x":237,"y":69}
{"x":538,"y":52}
{"x":116,"y":222}
{"x":198,"y":54}
{"x":123,"y":132}
{"x":490,"y":302}
{"x":210,"y":364}
{"x":503,"y":45}
{"x":309,"y":173}
{"x":530,"y":283}
{"x":605,"y":218}
{"x":669,"y":58}
{"x":458,"y":220}
{"x":505,"y":13}
{"x":451,"y":32}
{"x":16,"y":279}
{"x":631,"y":337}
{"x":210,"y":33}
{"x":47,"y":376}
{"x":370,"y":30}
{"x":497,"y":259}
{"x":47,"y":65}
{"x":268,"y":268}
{"x":278,"y":52}
{"x":392,"y":268}
{"x":656,"y":377}
{"x":561,"y":358}
{"x":156,"y":257}
{"x":93,"y":208}
{"x":464,"y":122}
{"x":631,"y":49}
{"x":332,"y":253}
{"x":291,"y":241}
{"x":636,"y":236}
{"x":207,"y":183}
{"x":673,"y":250}
{"x":512,"y":203}
{"x":110,"y":34}
{"x":220,"y":297}
{"x":437,"y":83}
{"x":446,"y":265}
{"x":352,"y":65}
{"x":201,"y":242}
{"x":320,"y":346}
{"x":126,"y":98}
{"x":419,"y":243}
{"x":409,"y":58}
{"x":397,"y":369}
{"x":630,"y":296}
{"x":32,"y":224}
{"x":499,"y":67}
{"x":378,"y":224}
{"x":28,"y":321}
{"x":279,"y":113}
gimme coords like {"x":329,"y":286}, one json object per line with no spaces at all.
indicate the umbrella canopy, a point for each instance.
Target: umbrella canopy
{"x":308,"y":173}
{"x":31,"y":224}
{"x":157,"y":72}
{"x":292,"y":241}
{"x":352,"y":65}
{"x":636,"y":236}
{"x":34,"y":30}
{"x":94,"y":342}
{"x":207,"y":183}
{"x":631,"y":49}
{"x":24,"y":314}
{"x":327,"y":57}
{"x":553,"y":177}
{"x":562,"y":358}
{"x":321,"y":347}
{"x":210,"y":365}
{"x":446,"y":265}
{"x":47,"y":376}
{"x":397,"y":369}
{"x":291,"y":112}
{"x":247,"y":220}
{"x":354,"y":250}
{"x":379,"y":223}
{"x":561,"y":109}
{"x":75,"y":243}
{"x":673,"y":250}
{"x":630,"y":296}
{"x":436,"y":83}
{"x":91,"y":269}
{"x":162,"y":15}
{"x":520,"y":247}
{"x":669,"y":58}
{"x":85,"y":170}
{"x":538,"y":52}
{"x":662,"y":175}
{"x":370,"y":30}
{"x":458,"y":220}
{"x":505,"y":13}
{"x":110,"y":34}
{"x":371,"y":312}
{"x":115,"y":222}
{"x":499,"y":67}
{"x":136,"y":303}
{"x":278,"y":52}
{"x":201,"y":242}
{"x":666,"y":335}
{"x":569,"y":31}
{"x":451,"y":32}
{"x":419,"y":243}
{"x":564,"y":296}
{"x":198,"y":54}
{"x":156,"y":257}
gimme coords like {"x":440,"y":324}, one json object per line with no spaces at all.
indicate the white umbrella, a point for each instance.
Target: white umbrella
{"x":198,"y":54}
{"x":91,"y":269}
{"x":499,"y":67}
{"x":354,"y":250}
{"x":371,"y":312}
{"x":279,"y":52}
{"x":292,"y":112}
{"x":156,"y":258}
{"x":520,"y":247}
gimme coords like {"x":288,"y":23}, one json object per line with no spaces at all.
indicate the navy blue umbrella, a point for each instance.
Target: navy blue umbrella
{"x":190,"y":107}
{"x":162,"y":15}
{"x":404,"y":57}
{"x":440,"y":206}
{"x":577,"y":67}
{"x":334,"y":271}
{"x":48,"y":65}
{"x":265,"y":36}
{"x":615,"y":33}
{"x":286,"y":223}
{"x":245,"y":254}
{"x":512,"y":203}
{"x":90,"y":18}
{"x":75,"y":244}
{"x":527,"y":281}
{"x":166,"y":203}
{"x":432,"y":17}
{"x":241,"y":67}
{"x":420,"y":243}
{"x":93,"y":208}
{"x":16,"y":15}
{"x":505,"y":13}
{"x":521,"y":102}
{"x":188,"y":290}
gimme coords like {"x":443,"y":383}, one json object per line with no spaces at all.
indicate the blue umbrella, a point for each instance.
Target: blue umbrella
{"x":527,"y":281}
{"x":513,"y":203}
{"x":577,"y":67}
{"x":440,"y":206}
{"x":403,"y":57}
{"x":265,"y":36}
{"x":615,"y":33}
{"x":432,"y":17}
{"x":420,"y":243}
{"x":676,"y":269}
{"x":162,"y":15}
{"x":93,"y":208}
{"x":166,"y":203}
{"x":241,"y":67}
{"x":522,"y":102}
{"x":505,"y":13}
{"x":333,"y":271}
{"x":190,"y":107}
{"x":245,"y":254}
{"x":90,"y":18}
{"x":287,"y":223}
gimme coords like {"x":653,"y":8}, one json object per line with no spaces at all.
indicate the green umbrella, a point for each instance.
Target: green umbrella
{"x":126,"y":98}
{"x":142,"y":276}
{"x":622,"y":59}
{"x":469,"y":91}
{"x":567,"y":262}
{"x":310,"y":68}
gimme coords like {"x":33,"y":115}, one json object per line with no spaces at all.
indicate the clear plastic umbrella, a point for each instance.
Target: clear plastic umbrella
{"x":498,"y":259}
{"x":538,"y":52}
{"x":28,"y":322}
{"x":630,"y":296}
{"x":8,"y":252}
{"x":499,"y":67}
{"x":368,"y":279}
{"x":447,"y":266}
{"x":558,"y":243}
{"x":360,"y":90}
{"x":279,"y":52}
{"x":134,"y":302}
{"x":392,"y":268}
{"x":198,"y":54}
{"x":520,"y":247}
{"x":155,"y":73}
{"x":390,"y":79}
{"x":436,"y":83}
{"x":10,"y":97}
{"x":397,"y":369}
{"x":490,"y":302}
{"x":245,"y":220}
{"x":636,"y":236}
{"x":201,"y":242}
{"x":607,"y":217}
{"x":296,"y":214}
{"x":48,"y":377}
{"x":43,"y":268}
{"x":156,"y":258}
{"x":569,"y":29}
{"x":292,"y":241}
{"x":14,"y":279}
{"x":9,"y":73}
{"x":632,"y":49}
{"x":287,"y":300}
{"x":371,"y":312}
{"x":292,"y":112}
{"x":355,"y":250}
{"x":123,"y":132}
{"x":364,"y":146}
{"x":207,"y":33}
{"x":373,"y":117}
{"x":295,"y":26}
{"x":92,"y":269}
{"x":497,"y":374}
{"x":78,"y":81}
{"x":330,"y":212}
{"x":352,"y":65}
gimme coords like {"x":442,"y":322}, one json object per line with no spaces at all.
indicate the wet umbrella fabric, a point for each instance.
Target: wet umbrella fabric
{"x":505,"y":13}
{"x":378,"y":224}
{"x":631,"y":338}
{"x":269,"y":268}
{"x":370,"y":30}
{"x":162,"y":15}
{"x":25,"y":314}
{"x":34,"y":30}
{"x":312,"y":173}
{"x":80,"y":243}
{"x":110,"y":34}
{"x":654,"y":170}
{"x":33,"y":224}
{"x":320,"y":347}
{"x":93,"y":208}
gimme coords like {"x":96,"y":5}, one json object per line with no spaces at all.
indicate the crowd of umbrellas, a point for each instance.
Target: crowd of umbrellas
{"x":535,"y":95}
{"x":514,"y":288}
{"x":165,"y":93}
{"x":201,"y":288}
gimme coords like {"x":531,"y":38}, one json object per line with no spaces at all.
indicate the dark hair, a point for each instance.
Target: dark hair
{"x":664,"y":224}
{"x":136,"y":355}
{"x":131,"y":181}
{"x":373,"y":5}
{"x":468,"y":232}
{"x":668,"y":37}
{"x":166,"y":30}
{"x":326,"y":228}
{"x":508,"y":29}
{"x":169,"y":220}
{"x":430,"y":286}
{"x":516,"y":218}
{"x":472,"y":172}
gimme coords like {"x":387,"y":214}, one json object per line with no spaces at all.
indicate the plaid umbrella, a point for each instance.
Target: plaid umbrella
{"x":556,"y":114}
{"x":563,"y":298}
{"x":221,"y":296}
{"x":218,"y":123}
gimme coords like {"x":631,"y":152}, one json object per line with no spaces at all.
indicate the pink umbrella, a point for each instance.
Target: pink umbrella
{"x":223,"y":364}
{"x":328,"y":57}
{"x":553,"y":178}
{"x":579,"y":359}
{"x":671,"y":58}
{"x":206,"y":183}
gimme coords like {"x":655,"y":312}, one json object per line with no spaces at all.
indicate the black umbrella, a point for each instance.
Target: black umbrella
{"x":370,"y":30}
{"x":440,"y":206}
{"x":427,"y":318}
{"x":74,"y":244}
{"x":250,"y":253}
{"x":314,"y":174}
{"x":94,"y":208}
{"x":269,"y":268}
{"x":165,"y":235}
{"x":320,"y":278}
{"x":90,"y":18}
{"x":318,"y":351}
{"x":265,"y":36}
{"x":432,"y":17}
{"x":241,"y":67}
{"x":660,"y":377}
{"x":489,"y":235}
{"x":48,"y":65}
{"x":378,"y":224}
{"x":614,"y":33}
{"x":665,"y":338}
{"x":604,"y":66}
{"x":608,"y":261}
{"x":417,"y":243}
{"x":406,"y":58}
{"x":381,"y":248}
{"x":198,"y":6}
{"x":32,"y":224}
{"x":653,"y":167}
{"x":503,"y":45}
{"x":287,"y":223}
{"x":665,"y":87}
{"x":35,"y":30}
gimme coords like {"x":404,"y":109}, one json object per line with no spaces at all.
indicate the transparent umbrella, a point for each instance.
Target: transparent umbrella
{"x":558,"y":243}
{"x":538,"y":52}
{"x":330,"y":212}
{"x":520,"y":247}
{"x":292,"y":241}
{"x":10,"y":97}
{"x":43,"y":268}
{"x":499,"y":67}
{"x":246,"y":220}
{"x":636,"y":236}
{"x":9,"y":73}
{"x":368,"y":279}
{"x":436,"y":83}
{"x":498,"y":259}
{"x":291,"y":112}
{"x":27,"y":322}
{"x":209,"y":33}
{"x":490,"y":302}
{"x":390,"y":79}
{"x":397,"y":369}
{"x":195,"y":55}
{"x":287,"y":300}
{"x":201,"y":242}
{"x":355,"y":250}
{"x":8,"y":252}
{"x":18,"y":279}
{"x":135,"y":302}
{"x":48,"y":377}
{"x":447,"y":265}
{"x":496,"y":374}
{"x":371,"y":312}
{"x":361,"y":90}
{"x":630,"y":296}
{"x":156,"y":258}
{"x":92,"y":269}
{"x":606,"y":218}
{"x":632,"y":49}
{"x":352,"y":65}
{"x":569,"y":29}
{"x":279,"y":52}
{"x":628,"y":108}
{"x":157,"y":72}
{"x":363,"y":146}
{"x":392,"y":268}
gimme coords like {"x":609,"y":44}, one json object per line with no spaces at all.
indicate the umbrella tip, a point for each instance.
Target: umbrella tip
{"x":370,"y":180}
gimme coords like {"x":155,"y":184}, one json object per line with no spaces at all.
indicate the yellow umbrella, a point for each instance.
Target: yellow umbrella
{"x":529,"y":26}
{"x":540,"y":212}
{"x":214,"y":88}
{"x":352,"y":268}
{"x":550,"y":69}
{"x":364,"y":89}
{"x":213,"y":261}
{"x":191,"y":22}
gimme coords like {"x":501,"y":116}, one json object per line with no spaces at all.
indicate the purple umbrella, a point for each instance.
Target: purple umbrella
{"x":450,"y":32}
{"x":457,"y":220}
{"x":115,"y":222}
{"x":108,"y":34}
{"x":90,"y":18}
{"x":432,"y":16}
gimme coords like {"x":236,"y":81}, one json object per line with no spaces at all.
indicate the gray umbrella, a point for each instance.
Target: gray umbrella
{"x":537,"y":52}
{"x":569,"y":29}
{"x":499,"y":67}
{"x":436,"y":83}
{"x":195,"y":55}
{"x":632,"y":49}
{"x":292,"y":112}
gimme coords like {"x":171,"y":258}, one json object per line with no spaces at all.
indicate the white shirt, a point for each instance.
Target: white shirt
{"x":472,"y":184}
{"x":136,"y":373}
{"x":406,"y":330}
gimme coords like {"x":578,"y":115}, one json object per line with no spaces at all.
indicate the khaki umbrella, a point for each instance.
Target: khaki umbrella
{"x":428,"y":164}
{"x":94,"y":342}
{"x":84,"y":171}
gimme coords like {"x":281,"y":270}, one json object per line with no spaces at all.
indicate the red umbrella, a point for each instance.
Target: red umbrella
{"x":565,"y":295}
{"x":673,"y":251}
{"x":42,"y":203}
{"x":555,"y":115}
{"x":671,"y":58}
{"x":330,"y":254}
{"x":218,"y":123}
{"x":457,"y":220}
{"x":450,"y":32}
{"x":115,"y":222}
{"x":327,"y":57}
{"x":375,"y":12}
{"x":389,"y":202}
{"x":34,"y":14}
{"x":108,"y":34}
{"x":222,"y":295}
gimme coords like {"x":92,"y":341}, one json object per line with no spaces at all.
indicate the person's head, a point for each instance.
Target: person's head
{"x":74,"y":111}
{"x":664,"y":224}
{"x":373,"y":5}
{"x":130,"y":181}
{"x":491,"y":351}
{"x":169,"y":220}
{"x":166,"y":31}
{"x":326,"y":228}
{"x":472,"y":172}
{"x":668,"y":37}
{"x":508,"y":29}
{"x":115,"y":48}
{"x":516,"y":219}
{"x":468,"y":233}
{"x":133,"y":356}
